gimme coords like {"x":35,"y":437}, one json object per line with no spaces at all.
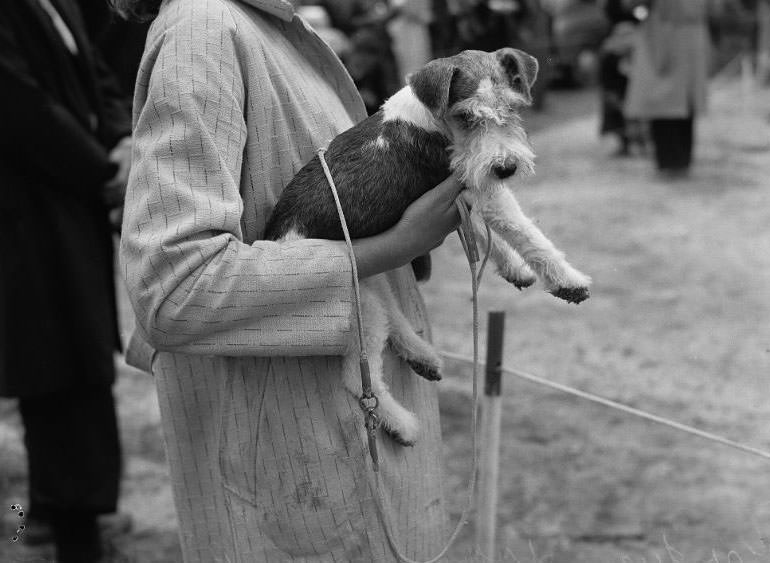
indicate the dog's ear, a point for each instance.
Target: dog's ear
{"x":520,"y":69}
{"x":432,"y":84}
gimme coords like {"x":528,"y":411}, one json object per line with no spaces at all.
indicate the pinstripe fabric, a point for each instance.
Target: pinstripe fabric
{"x":267,"y":452}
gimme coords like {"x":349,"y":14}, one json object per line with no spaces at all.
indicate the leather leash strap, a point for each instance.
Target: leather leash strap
{"x":368,"y":399}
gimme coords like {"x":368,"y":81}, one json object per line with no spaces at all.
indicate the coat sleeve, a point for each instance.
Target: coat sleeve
{"x":195,"y":285}
{"x":43,"y":133}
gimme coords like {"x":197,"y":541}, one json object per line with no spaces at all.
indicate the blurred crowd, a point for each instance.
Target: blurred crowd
{"x":654,"y":67}
{"x":382,"y":42}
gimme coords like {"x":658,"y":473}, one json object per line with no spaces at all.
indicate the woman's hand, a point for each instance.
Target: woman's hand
{"x":428,"y":220}
{"x":423,"y":227}
{"x":115,"y":189}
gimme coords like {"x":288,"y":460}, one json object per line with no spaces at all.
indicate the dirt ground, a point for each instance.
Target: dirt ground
{"x":678,"y":324}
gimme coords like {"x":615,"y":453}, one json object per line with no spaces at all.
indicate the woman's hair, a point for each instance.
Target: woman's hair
{"x":137,"y":10}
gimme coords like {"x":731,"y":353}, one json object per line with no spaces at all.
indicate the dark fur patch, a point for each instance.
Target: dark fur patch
{"x":520,"y":70}
{"x":432,"y":83}
{"x":375,"y":185}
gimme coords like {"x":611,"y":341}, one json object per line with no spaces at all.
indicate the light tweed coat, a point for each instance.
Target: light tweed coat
{"x":267,"y":452}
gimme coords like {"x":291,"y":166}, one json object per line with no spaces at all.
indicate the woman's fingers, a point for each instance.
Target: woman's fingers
{"x":449,"y":189}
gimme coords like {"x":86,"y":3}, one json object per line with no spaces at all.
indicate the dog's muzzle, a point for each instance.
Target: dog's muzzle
{"x":504,"y":171}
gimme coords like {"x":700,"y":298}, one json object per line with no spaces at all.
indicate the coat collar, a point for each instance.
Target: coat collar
{"x":282,"y":9}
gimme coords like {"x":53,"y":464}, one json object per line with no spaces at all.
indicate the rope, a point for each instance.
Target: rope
{"x":468,"y":240}
{"x":368,"y":400}
{"x":621,"y":407}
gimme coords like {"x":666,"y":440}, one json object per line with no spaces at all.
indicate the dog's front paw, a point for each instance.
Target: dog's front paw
{"x":429,"y":371}
{"x":572,"y":294}
{"x":520,"y":279}
{"x":570,"y":285}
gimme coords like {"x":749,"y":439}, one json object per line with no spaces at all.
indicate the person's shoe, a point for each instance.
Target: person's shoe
{"x":111,"y":526}
{"x":673,"y":174}
{"x":36,"y":532}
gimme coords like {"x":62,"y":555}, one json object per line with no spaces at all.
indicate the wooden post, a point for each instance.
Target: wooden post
{"x":486,"y":508}
{"x":763,"y":42}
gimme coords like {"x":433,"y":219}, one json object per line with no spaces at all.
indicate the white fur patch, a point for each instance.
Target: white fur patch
{"x":405,"y":106}
{"x":475,"y":154}
{"x":381,"y":143}
{"x":485,"y":87}
{"x":292,"y":235}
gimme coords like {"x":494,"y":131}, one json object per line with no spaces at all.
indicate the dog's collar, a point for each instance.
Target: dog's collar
{"x":281,"y":9}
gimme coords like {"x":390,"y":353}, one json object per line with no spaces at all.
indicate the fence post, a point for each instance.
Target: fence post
{"x":763,"y":42}
{"x":486,"y":508}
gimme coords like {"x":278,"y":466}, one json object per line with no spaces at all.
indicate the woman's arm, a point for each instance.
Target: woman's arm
{"x":422,"y":228}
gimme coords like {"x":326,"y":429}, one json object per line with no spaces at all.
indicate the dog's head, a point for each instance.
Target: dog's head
{"x":477,"y":97}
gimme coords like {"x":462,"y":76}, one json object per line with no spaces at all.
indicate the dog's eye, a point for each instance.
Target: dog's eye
{"x":464,"y":118}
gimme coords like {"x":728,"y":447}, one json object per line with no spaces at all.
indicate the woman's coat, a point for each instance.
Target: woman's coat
{"x":267,"y":450}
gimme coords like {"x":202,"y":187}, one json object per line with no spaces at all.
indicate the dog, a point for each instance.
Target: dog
{"x":460,"y":115}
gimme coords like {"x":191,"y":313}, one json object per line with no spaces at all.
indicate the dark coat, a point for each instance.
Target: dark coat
{"x":59,"y":116}
{"x":120,"y":42}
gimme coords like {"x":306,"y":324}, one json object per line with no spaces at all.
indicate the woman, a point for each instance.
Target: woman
{"x":668,"y":78}
{"x":267,"y":452}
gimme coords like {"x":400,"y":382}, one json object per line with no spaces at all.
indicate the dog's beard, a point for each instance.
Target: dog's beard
{"x":477,"y":154}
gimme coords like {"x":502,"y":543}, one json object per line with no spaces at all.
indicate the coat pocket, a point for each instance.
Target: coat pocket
{"x":293,"y":462}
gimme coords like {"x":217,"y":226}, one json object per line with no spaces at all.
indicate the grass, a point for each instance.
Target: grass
{"x":678,"y":324}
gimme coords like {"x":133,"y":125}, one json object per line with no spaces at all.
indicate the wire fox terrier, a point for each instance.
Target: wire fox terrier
{"x":457,"y":115}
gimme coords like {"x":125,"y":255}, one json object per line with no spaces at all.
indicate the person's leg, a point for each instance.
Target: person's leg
{"x":74,"y":462}
{"x":672,"y":139}
{"x":76,"y":535}
{"x":660,"y":142}
{"x":688,"y":141}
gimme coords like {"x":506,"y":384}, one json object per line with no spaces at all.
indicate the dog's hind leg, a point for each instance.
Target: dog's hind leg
{"x":396,"y":420}
{"x":415,"y":350}
{"x":504,"y":215}
{"x":510,"y":266}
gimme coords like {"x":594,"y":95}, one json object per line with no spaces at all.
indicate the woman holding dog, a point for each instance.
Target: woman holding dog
{"x":267,"y":451}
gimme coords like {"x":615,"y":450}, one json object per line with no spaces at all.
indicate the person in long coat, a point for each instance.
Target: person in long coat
{"x":64,"y":158}
{"x":668,"y":80}
{"x":120,"y":42}
{"x":267,"y":451}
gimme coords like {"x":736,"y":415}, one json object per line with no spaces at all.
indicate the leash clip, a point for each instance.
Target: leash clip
{"x":369,"y":402}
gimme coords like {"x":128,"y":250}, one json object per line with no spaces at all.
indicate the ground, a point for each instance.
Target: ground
{"x":678,"y":324}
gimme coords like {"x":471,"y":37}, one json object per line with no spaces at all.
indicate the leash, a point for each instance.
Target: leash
{"x":368,"y":400}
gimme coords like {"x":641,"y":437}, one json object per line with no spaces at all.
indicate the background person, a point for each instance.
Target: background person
{"x":267,"y":450}
{"x":64,"y":161}
{"x":614,"y":63}
{"x":668,"y":79}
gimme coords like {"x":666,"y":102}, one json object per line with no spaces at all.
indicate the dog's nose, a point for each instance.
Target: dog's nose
{"x":504,"y":171}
